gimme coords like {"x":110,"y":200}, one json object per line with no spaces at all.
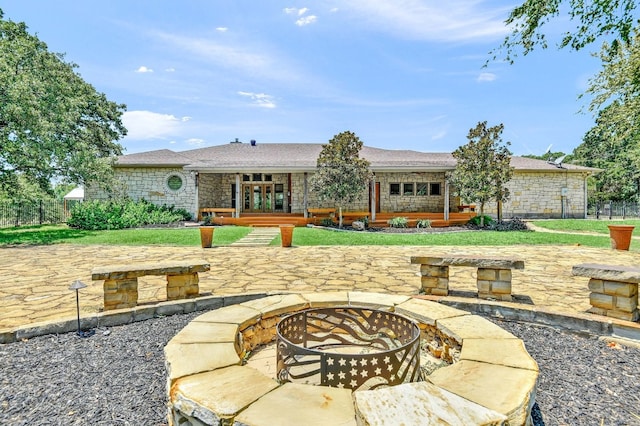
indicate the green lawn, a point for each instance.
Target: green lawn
{"x":315,"y":236}
{"x":597,"y":226}
{"x":56,"y":234}
{"x":225,"y":235}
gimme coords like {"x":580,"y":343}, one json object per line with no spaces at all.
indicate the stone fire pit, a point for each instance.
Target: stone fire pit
{"x":486,"y":376}
{"x":349,"y":347}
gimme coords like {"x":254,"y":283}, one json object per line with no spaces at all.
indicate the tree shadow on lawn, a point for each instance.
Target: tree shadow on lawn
{"x":38,"y":235}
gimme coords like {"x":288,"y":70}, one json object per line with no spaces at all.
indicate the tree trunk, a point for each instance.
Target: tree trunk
{"x":339,"y":216}
{"x":482,"y":214}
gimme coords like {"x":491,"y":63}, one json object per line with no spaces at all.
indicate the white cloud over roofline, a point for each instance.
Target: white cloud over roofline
{"x":147,"y":125}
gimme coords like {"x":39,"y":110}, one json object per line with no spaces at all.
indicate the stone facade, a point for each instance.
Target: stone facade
{"x":533,"y":194}
{"x":151,"y":184}
{"x":540,"y":195}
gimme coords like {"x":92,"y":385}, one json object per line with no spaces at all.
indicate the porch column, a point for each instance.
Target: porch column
{"x":306,"y":199}
{"x":373,"y":198}
{"x":195,"y":176}
{"x":238,"y":192}
{"x":586,"y":197}
{"x":446,"y":199}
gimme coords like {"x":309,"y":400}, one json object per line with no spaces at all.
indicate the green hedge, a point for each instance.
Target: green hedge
{"x":101,"y":215}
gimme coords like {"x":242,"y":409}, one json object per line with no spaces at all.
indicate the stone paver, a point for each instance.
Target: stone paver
{"x":34,"y":281}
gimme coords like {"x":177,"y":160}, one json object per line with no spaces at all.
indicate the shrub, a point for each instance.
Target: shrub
{"x":327,"y":221}
{"x":423,"y":223}
{"x":514,"y":224}
{"x":398,"y":222}
{"x":474,"y":222}
{"x":101,"y":215}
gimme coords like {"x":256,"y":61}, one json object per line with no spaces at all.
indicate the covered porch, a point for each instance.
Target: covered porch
{"x":298,"y":219}
{"x":279,"y":197}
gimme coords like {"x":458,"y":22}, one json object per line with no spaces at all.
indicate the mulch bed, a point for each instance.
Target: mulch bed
{"x":117,"y":377}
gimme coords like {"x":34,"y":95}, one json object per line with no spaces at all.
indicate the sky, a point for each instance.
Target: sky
{"x":401,"y":74}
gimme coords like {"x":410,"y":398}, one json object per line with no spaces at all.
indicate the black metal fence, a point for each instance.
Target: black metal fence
{"x":21,"y":213}
{"x":614,"y":209}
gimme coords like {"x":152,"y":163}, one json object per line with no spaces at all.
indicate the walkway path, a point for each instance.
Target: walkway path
{"x":260,"y":236}
{"x":34,"y":281}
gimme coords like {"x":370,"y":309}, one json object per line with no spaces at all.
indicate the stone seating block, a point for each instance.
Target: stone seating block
{"x":493,"y":274}
{"x":121,"y":281}
{"x":614,"y":289}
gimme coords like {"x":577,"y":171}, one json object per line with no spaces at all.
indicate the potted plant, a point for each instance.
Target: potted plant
{"x":206,"y":232}
{"x":620,"y":236}
{"x":286,"y":234}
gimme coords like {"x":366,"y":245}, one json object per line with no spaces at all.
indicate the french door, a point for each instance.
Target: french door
{"x":257,"y":198}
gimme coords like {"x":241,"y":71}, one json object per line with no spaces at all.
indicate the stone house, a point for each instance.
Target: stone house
{"x":273,"y":178}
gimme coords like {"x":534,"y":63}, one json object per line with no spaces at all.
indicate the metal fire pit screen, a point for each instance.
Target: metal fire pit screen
{"x":348,"y":347}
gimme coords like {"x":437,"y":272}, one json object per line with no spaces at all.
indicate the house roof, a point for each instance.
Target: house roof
{"x":75,"y":194}
{"x":239,"y":157}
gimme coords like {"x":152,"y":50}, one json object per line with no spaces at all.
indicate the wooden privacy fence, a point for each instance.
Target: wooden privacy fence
{"x":39,"y":212}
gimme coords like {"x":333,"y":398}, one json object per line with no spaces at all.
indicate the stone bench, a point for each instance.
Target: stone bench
{"x":494,"y":274}
{"x":614,"y":289}
{"x":121,"y":281}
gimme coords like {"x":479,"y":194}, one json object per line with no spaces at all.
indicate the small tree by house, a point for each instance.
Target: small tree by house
{"x":341,"y":175}
{"x":483,"y":168}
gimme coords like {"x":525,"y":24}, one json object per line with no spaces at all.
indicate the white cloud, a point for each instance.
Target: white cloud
{"x":144,"y":69}
{"x":214,"y":52}
{"x":222,"y":29}
{"x":259,"y":99}
{"x":452,"y":21}
{"x":170,"y":69}
{"x":306,"y":20}
{"x":145,"y":125}
{"x":301,"y":22}
{"x":487,"y":76}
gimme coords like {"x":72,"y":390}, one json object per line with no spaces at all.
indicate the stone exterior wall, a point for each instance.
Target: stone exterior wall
{"x":533,"y":194}
{"x":411,"y":203}
{"x":539,"y":195}
{"x":150,"y":183}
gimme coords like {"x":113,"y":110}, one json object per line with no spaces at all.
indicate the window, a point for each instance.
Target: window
{"x":434,"y":188}
{"x":233,"y":195}
{"x":394,"y":189}
{"x":422,"y":189}
{"x":407,"y":189}
{"x":174,"y":182}
{"x":246,"y":178}
{"x":257,"y":177}
{"x":268,"y":178}
{"x":279,"y":199}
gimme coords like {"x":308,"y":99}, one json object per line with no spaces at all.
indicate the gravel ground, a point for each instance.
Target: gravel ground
{"x":117,"y":377}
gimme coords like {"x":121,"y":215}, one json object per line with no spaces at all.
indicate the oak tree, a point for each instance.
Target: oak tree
{"x":591,"y":20}
{"x":54,"y":126}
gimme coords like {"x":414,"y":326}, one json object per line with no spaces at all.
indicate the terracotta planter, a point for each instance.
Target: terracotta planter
{"x":620,"y":236}
{"x":206,"y":236}
{"x":286,"y":234}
